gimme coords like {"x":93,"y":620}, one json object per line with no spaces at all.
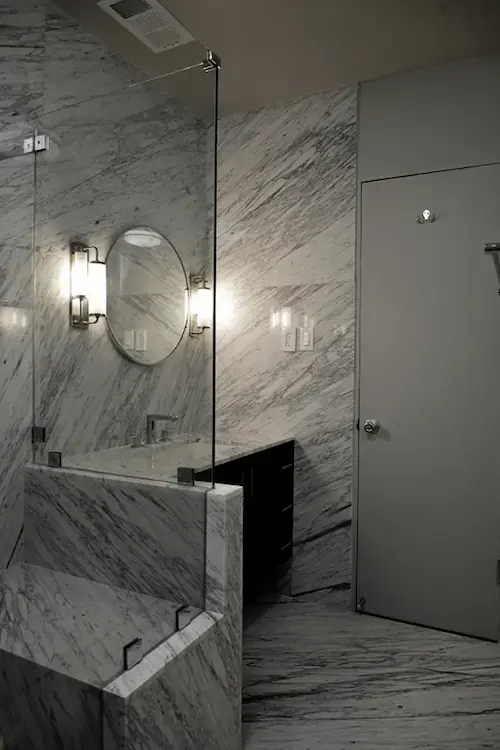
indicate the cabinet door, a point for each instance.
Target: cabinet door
{"x":273,"y":498}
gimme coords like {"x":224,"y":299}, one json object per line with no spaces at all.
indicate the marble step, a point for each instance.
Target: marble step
{"x":79,"y":627}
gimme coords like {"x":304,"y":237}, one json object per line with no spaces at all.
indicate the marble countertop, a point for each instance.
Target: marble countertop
{"x":161,"y":460}
{"x":75,"y":626}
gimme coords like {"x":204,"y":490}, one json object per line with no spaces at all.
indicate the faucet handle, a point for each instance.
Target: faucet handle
{"x":139,"y":439}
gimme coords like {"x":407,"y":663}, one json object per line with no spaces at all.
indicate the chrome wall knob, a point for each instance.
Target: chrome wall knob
{"x":371,"y":426}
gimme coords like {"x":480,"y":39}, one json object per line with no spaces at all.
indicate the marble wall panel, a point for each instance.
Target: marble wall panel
{"x":16,"y":235}
{"x":41,"y":709}
{"x":224,"y":594}
{"x":147,"y":167}
{"x":22,"y":30}
{"x":22,"y":48}
{"x":15,"y":421}
{"x":76,"y":626}
{"x":115,"y":159}
{"x":286,"y":239}
{"x":134,"y":534}
{"x":16,"y":272}
{"x":187,"y":707}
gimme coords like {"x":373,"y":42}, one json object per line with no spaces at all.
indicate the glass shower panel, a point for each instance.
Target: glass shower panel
{"x":16,"y":303}
{"x":128,"y":175}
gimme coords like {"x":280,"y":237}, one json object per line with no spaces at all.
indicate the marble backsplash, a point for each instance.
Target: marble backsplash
{"x":287,"y":239}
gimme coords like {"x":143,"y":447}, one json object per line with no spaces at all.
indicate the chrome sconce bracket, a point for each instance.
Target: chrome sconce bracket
{"x":82,"y":258}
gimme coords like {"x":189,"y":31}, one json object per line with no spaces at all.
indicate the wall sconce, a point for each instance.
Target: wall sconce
{"x":201,"y":306}
{"x":88,"y":286}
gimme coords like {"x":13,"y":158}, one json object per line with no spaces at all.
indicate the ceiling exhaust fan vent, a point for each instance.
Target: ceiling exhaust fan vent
{"x":149,"y":21}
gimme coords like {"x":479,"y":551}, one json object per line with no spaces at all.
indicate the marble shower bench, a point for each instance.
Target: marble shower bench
{"x":109,"y":560}
{"x":78,"y":627}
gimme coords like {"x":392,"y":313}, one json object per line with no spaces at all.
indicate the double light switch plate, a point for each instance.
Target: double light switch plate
{"x":305,"y":339}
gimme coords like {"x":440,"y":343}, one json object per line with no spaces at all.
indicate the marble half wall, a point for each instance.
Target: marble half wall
{"x":286,"y":217}
{"x":186,"y":693}
{"x":134,"y":534}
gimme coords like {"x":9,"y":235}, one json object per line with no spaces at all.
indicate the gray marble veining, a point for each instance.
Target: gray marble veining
{"x":117,"y":154}
{"x":41,"y":709}
{"x":187,"y":692}
{"x":15,"y":421}
{"x":286,"y":239}
{"x":22,"y":28}
{"x":318,"y":676}
{"x":22,"y":32}
{"x":16,"y":236}
{"x":145,"y":672}
{"x":142,"y":147}
{"x":135,"y":534}
{"x":188,"y":706}
{"x":224,"y":592}
{"x":75,"y":626}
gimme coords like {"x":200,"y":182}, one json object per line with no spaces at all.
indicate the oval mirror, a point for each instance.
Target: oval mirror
{"x":147,"y":287}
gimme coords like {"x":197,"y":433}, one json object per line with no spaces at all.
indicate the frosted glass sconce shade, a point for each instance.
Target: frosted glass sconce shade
{"x":201,"y":311}
{"x":79,"y":273}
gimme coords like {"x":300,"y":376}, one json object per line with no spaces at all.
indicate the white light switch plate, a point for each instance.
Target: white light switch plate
{"x":129,"y":340}
{"x":141,"y":343}
{"x":306,"y":339}
{"x":289,"y":339}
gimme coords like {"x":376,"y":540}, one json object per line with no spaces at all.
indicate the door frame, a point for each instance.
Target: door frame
{"x":357,"y":373}
{"x":357,"y":367}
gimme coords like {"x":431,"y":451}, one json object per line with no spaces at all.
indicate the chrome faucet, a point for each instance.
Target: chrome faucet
{"x":150,"y":424}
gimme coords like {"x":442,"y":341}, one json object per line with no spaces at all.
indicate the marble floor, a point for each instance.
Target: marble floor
{"x":319,"y":676}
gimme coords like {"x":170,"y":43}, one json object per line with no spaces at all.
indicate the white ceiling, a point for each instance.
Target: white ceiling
{"x":283,"y":49}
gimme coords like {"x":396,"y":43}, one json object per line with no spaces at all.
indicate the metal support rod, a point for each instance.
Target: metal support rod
{"x":214,"y":269}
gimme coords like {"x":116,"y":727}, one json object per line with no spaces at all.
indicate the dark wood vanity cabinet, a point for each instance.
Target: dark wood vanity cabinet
{"x":267,"y":478}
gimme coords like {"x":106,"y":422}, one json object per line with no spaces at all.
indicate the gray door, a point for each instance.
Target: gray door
{"x":429,"y":480}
